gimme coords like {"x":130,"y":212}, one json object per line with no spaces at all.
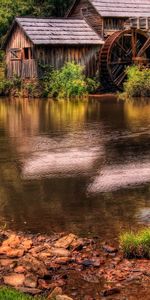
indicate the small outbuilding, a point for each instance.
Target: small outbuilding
{"x":34,"y":42}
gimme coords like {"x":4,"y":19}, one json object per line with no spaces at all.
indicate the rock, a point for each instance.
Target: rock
{"x":6,"y":262}
{"x":30,"y":291}
{"x":109,"y":249}
{"x":27,"y":244}
{"x":77,"y":245}
{"x":60,"y":252}
{"x":12,"y":241}
{"x":65,"y":241}
{"x":87,"y":263}
{"x":19,"y":269}
{"x":34,"y":265}
{"x":44,"y":285}
{"x":14,"y":279}
{"x":14,"y":253}
{"x":30,"y":281}
{"x":57,"y":283}
{"x":110,"y":292}
{"x":63,"y":297}
{"x":62,"y":260}
{"x":11,"y":252}
{"x":57,"y":291}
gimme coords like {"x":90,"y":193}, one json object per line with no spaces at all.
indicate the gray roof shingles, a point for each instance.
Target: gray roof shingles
{"x":59,"y":31}
{"x":122,"y":8}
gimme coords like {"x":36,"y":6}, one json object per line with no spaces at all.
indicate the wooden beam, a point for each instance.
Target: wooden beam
{"x":144,"y":47}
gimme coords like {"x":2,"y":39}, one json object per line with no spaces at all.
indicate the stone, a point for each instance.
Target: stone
{"x":42,"y":284}
{"x":110,"y":292}
{"x":19,"y":269}
{"x":12,"y":241}
{"x":77,"y":245}
{"x":6,"y":262}
{"x":30,"y":281}
{"x":10,"y":252}
{"x":65,"y":241}
{"x":63,"y":297}
{"x":14,"y":279}
{"x":57,"y":291}
{"x":62,"y":260}
{"x":27,"y":244}
{"x":109,"y":249}
{"x":34,"y":265}
{"x":60,"y":252}
{"x":15,"y":253}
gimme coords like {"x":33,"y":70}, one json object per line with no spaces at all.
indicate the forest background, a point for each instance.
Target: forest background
{"x":38,"y":8}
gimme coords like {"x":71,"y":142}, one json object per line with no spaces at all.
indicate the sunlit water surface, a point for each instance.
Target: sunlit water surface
{"x":76,"y":166}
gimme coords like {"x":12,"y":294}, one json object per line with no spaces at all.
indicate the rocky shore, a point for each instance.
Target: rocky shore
{"x":65,"y":267}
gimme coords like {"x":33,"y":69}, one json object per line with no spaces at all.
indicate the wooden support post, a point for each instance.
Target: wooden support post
{"x":134,"y":41}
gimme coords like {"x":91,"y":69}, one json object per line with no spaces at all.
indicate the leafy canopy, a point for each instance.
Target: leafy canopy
{"x":12,"y":8}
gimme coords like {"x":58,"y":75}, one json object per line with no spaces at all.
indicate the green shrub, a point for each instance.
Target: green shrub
{"x":138,"y":82}
{"x":5,"y":87}
{"x":8,"y":294}
{"x":136,"y":245}
{"x":68,"y":82}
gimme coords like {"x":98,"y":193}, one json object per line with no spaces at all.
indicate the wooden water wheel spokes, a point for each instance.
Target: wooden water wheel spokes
{"x":123,"y":49}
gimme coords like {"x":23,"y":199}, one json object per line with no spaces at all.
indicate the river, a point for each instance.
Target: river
{"x":75,"y":166}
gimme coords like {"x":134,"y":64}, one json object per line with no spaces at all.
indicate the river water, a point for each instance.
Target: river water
{"x":75,"y":166}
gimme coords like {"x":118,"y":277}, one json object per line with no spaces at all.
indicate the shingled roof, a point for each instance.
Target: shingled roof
{"x":58,"y":31}
{"x":120,"y":8}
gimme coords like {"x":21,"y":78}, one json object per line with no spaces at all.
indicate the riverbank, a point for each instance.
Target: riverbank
{"x":78,"y":267}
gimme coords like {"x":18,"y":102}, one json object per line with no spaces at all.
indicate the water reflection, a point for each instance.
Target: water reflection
{"x":117,"y":177}
{"x":72,"y":164}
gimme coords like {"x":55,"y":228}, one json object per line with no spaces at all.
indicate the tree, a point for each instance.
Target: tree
{"x":12,"y":8}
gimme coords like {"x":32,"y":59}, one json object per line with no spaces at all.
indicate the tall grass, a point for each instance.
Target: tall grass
{"x":136,"y":245}
{"x":138,"y":82}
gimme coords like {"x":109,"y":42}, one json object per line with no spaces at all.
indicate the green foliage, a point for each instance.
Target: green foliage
{"x":138,"y":82}
{"x":136,"y":245}
{"x":12,"y":8}
{"x":68,"y":82}
{"x":5,"y":87}
{"x":7,"y":294}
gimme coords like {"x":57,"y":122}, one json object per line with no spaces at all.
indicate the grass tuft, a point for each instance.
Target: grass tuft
{"x":136,"y":245}
{"x":10,"y":294}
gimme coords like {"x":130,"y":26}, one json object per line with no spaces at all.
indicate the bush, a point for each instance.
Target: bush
{"x":138,"y":82}
{"x":5,"y":87}
{"x":68,"y":82}
{"x":136,"y":245}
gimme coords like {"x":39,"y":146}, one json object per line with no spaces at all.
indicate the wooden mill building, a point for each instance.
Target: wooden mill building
{"x":89,"y":34}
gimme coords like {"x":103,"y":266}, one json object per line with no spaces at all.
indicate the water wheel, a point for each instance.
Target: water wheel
{"x":123,"y":49}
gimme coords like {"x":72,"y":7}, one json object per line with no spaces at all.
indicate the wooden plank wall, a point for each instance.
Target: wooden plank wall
{"x":54,"y":56}
{"x":84,"y":8}
{"x":58,"y":55}
{"x":21,"y":68}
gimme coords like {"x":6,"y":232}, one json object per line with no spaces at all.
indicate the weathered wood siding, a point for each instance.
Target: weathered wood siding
{"x":56,"y":56}
{"x":20,"y":67}
{"x":53,"y":55}
{"x":84,"y":8}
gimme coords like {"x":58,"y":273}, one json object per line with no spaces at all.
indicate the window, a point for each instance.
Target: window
{"x":15,"y":54}
{"x":28,"y":53}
